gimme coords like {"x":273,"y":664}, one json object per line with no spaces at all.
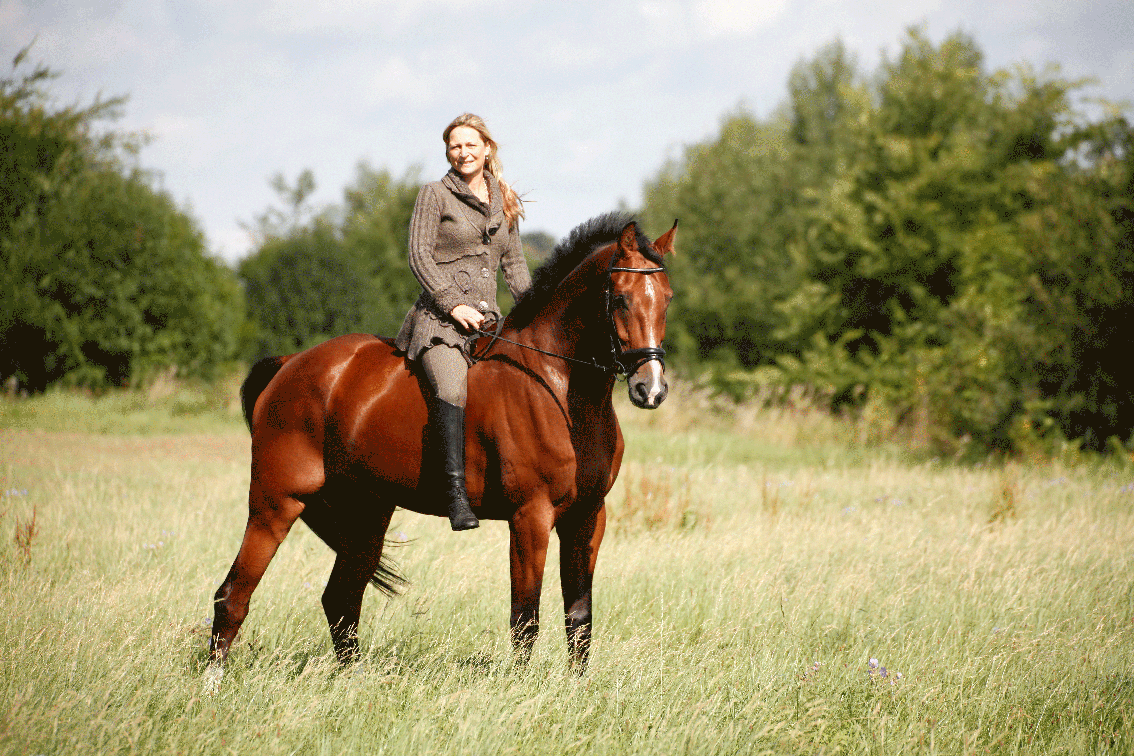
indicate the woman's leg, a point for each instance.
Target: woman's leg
{"x":447,"y":372}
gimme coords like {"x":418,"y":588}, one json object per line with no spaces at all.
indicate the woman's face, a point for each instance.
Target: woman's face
{"x":467,"y":151}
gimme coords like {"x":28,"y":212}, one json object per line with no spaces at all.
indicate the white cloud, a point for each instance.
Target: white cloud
{"x":567,"y":53}
{"x":174,"y":126}
{"x":354,"y":17}
{"x":587,"y":99}
{"x":736,"y":18}
{"x":1123,"y":69}
{"x":395,"y":79}
{"x":92,"y":35}
{"x":698,"y":20}
{"x":13,"y":17}
{"x":233,"y":242}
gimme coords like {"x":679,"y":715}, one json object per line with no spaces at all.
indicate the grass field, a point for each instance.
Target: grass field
{"x":764,"y":587}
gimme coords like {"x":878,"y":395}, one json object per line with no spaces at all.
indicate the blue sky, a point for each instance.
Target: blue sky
{"x":588,"y":99}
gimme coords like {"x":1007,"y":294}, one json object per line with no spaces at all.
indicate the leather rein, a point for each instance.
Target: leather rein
{"x":623,"y":362}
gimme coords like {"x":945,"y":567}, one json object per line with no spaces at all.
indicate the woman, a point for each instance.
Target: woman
{"x":465,"y":227}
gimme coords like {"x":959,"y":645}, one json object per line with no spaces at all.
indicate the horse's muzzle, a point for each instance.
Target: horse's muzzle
{"x":647,"y":385}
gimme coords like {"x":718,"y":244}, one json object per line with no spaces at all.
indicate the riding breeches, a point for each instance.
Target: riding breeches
{"x":447,"y":372}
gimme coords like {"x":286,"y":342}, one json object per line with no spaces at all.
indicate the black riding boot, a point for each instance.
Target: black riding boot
{"x":450,"y":422}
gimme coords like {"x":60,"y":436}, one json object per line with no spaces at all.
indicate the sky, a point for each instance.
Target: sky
{"x":588,"y":100}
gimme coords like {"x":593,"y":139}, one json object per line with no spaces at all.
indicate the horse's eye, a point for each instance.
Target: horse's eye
{"x":618,"y":302}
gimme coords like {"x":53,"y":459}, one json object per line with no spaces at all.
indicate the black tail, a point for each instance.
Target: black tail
{"x":320,"y":517}
{"x":387,"y":578}
{"x":258,"y":379}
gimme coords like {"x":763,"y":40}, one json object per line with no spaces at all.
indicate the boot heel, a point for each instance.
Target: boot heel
{"x":462,"y":519}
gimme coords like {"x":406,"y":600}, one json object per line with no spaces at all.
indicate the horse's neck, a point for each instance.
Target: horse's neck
{"x":575,"y":316}
{"x":572,"y":324}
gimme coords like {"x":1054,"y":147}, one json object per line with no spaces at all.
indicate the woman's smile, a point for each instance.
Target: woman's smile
{"x":467,"y":152}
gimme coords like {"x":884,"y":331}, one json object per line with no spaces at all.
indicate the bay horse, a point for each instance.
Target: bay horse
{"x":338,"y":433}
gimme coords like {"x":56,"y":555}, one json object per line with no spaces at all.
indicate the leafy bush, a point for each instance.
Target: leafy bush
{"x":953,"y":245}
{"x":103,"y":279}
{"x":343,"y":270}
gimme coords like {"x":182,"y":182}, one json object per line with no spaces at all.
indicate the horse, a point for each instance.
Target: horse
{"x":339,"y":436}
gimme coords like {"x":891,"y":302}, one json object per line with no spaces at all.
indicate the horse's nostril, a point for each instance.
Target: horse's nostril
{"x":639,"y":393}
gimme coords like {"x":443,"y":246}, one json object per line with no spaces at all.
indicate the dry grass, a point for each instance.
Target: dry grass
{"x":808,"y":599}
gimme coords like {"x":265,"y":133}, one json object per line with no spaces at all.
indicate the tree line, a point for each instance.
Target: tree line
{"x":103,"y":279}
{"x":938,"y":244}
{"x":948,"y":246}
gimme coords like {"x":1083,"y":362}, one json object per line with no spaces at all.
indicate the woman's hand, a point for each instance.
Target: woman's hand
{"x":467,"y":317}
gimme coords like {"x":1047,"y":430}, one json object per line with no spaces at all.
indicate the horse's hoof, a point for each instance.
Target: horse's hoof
{"x":214,"y":673}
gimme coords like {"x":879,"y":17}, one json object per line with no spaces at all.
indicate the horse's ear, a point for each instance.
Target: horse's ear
{"x":628,"y":241}
{"x":664,"y":244}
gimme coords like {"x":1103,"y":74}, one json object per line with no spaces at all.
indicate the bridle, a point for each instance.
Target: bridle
{"x":627,"y":361}
{"x":623,"y":362}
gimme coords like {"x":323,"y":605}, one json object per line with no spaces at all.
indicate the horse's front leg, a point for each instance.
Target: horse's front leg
{"x":530,"y":529}
{"x":579,"y":539}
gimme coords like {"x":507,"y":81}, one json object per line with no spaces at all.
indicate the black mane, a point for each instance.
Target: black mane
{"x":579,"y":244}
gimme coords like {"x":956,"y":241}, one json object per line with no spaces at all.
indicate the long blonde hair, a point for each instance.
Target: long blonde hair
{"x":513,"y":206}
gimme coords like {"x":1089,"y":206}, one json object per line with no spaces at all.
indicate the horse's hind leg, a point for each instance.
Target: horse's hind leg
{"x":579,"y":540}
{"x":355,"y":565}
{"x":270,"y":518}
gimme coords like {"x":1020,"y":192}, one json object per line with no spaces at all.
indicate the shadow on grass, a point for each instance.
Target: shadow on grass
{"x":408,"y":656}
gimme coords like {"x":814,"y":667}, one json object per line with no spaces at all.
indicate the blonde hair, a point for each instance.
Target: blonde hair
{"x":513,"y":206}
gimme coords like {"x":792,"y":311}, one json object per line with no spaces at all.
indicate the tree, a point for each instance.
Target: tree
{"x":376,"y":234}
{"x":342,"y":271}
{"x":1080,"y":289}
{"x":538,"y":245}
{"x":921,"y":247}
{"x":103,"y":278}
{"x":735,"y":199}
{"x":949,"y":243}
{"x":302,"y":289}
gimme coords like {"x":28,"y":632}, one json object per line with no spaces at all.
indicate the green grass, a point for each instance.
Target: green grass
{"x":166,"y":407}
{"x":754,"y":566}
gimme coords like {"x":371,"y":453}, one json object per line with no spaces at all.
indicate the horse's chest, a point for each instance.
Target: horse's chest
{"x":564,"y":465}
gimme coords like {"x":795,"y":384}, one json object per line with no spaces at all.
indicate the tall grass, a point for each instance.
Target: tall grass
{"x":763,"y":588}
{"x":165,"y":405}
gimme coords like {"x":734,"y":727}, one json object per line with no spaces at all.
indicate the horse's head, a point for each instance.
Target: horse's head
{"x":639,"y":295}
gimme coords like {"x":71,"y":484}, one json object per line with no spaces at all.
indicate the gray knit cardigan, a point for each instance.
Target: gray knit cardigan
{"x":456,"y":245}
